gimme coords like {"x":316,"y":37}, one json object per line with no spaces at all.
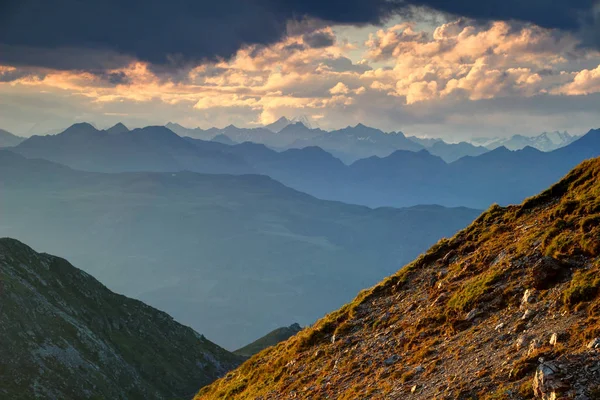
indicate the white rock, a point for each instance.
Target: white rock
{"x":594,"y":344}
{"x":472,"y":314}
{"x":528,"y":314}
{"x":544,"y":381}
{"x":533,"y":346}
{"x":554,"y":339}
{"x":522,"y":341}
{"x":528,"y":298}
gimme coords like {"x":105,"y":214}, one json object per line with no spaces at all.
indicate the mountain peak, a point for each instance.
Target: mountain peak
{"x":174,"y":125}
{"x":284,"y":122}
{"x":117,"y":129}
{"x":80,"y":128}
{"x":474,"y":315}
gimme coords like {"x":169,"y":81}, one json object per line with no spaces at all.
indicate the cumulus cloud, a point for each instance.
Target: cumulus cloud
{"x":339,"y":88}
{"x":400,"y":76}
{"x":583,"y":82}
{"x":471,"y":61}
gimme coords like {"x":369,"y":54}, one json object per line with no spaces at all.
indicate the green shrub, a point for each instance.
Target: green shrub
{"x":584,"y":287}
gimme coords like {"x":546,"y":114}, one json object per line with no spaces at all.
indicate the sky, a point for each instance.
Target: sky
{"x":433,"y":68}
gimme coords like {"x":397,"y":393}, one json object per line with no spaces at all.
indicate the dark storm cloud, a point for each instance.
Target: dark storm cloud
{"x":179,"y":31}
{"x":559,"y":14}
{"x":11,"y":76}
{"x":319,"y":40}
{"x":117,"y":78}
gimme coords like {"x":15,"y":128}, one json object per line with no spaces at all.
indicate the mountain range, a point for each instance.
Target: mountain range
{"x":547,"y":141}
{"x":66,"y":336}
{"x":231,"y":256}
{"x":7,"y":139}
{"x":154,"y":148}
{"x":348,"y":144}
{"x":404,"y":178}
{"x":508,"y":308}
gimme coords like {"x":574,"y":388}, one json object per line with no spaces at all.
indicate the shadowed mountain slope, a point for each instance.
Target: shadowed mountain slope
{"x":66,"y":336}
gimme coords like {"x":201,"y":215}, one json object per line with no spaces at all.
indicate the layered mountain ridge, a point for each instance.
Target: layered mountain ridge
{"x":202,"y":247}
{"x":7,"y":139}
{"x":501,"y":175}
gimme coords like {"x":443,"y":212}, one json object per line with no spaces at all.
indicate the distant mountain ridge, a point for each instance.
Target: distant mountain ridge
{"x":348,"y":144}
{"x":547,"y":141}
{"x":402,"y":178}
{"x":202,"y":247}
{"x":153,"y":148}
{"x":66,"y":336}
{"x":7,"y":139}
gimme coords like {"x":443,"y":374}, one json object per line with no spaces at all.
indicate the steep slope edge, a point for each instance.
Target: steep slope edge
{"x":270,"y":339}
{"x":66,"y":336}
{"x":471,"y":318}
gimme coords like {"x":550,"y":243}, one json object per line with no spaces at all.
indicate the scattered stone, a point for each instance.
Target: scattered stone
{"x":522,"y":341}
{"x":441,"y":298}
{"x":504,"y":336}
{"x":419,"y":369}
{"x":414,"y":389}
{"x":527,"y":315}
{"x":499,"y":326}
{"x":472,"y":314}
{"x":391,"y":360}
{"x":533,"y":346}
{"x":547,"y":382}
{"x":448,"y":257}
{"x":594,"y":344}
{"x":519,"y":327}
{"x":529,"y":297}
{"x":546,"y":272}
{"x":554,"y":339}
{"x":333,"y":338}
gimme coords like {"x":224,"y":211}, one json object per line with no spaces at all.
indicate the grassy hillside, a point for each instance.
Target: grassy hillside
{"x":508,"y":308}
{"x":66,"y":336}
